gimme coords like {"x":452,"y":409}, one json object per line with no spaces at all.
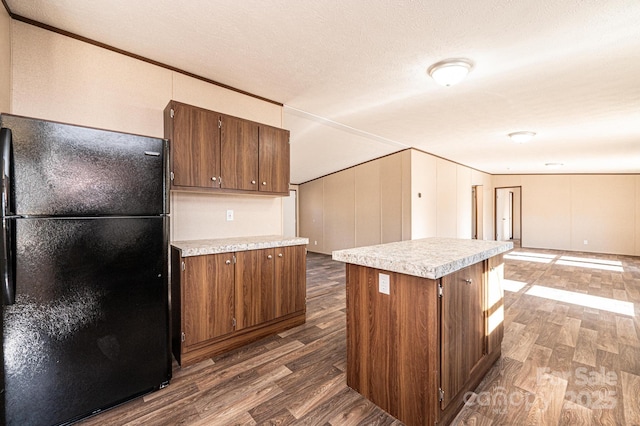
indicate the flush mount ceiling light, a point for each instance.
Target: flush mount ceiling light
{"x":554,"y":165}
{"x":450,"y":71}
{"x":521,"y":137}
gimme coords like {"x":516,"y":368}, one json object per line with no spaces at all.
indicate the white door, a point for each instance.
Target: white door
{"x":504,"y":200}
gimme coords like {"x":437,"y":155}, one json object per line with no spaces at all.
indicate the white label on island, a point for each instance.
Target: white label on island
{"x":383,"y":284}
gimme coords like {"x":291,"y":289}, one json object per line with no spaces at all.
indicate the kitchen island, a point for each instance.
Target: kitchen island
{"x":424,"y":323}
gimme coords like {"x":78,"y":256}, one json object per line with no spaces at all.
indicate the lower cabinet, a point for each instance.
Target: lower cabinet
{"x":209,"y":297}
{"x":223,"y":301}
{"x":462,"y":329}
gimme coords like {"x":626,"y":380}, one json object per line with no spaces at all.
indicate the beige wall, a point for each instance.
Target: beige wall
{"x":637,"y":238}
{"x":447,"y":197}
{"x":311,"y":217}
{"x":59,"y":78}
{"x":424,"y":196}
{"x":362,"y":205}
{"x":562,"y":211}
{"x":407,"y":195}
{"x":339,"y":210}
{"x":5,"y":61}
{"x":367,"y":204}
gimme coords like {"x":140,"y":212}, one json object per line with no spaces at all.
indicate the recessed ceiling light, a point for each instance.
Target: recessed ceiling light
{"x":450,"y":71}
{"x":521,"y":137}
{"x":554,"y":165}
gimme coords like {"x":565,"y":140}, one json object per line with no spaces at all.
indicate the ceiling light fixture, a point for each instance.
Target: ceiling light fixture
{"x":554,"y":165}
{"x":521,"y":137}
{"x":450,"y":71}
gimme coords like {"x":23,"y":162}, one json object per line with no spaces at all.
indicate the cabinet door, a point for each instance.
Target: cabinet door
{"x":274,"y":160}
{"x":239,"y":154}
{"x":290,"y":280}
{"x":195,"y":147}
{"x":461,"y":328}
{"x":255,"y":297}
{"x":494,"y":303}
{"x":208,"y":297}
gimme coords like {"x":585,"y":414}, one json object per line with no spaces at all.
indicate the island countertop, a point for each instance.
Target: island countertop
{"x":427,"y":258}
{"x":227,"y":245}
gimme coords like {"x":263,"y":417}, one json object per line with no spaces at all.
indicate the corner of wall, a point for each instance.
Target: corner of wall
{"x":6,"y":61}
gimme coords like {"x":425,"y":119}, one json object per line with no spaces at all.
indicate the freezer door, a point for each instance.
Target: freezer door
{"x":66,"y":170}
{"x":89,"y":326}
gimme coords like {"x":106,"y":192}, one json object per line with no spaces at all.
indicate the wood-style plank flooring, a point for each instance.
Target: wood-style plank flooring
{"x":565,"y":360}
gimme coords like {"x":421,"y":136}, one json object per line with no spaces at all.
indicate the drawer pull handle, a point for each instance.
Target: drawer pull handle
{"x":228,"y":262}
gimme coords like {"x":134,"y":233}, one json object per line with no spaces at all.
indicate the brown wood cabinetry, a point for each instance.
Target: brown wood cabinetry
{"x":255,"y":301}
{"x":267,"y":284}
{"x":416,"y":351}
{"x":209,"y":293}
{"x":274,"y":160}
{"x":195,"y":145}
{"x":290,"y":269}
{"x":239,"y":148}
{"x":223,"y":301}
{"x":462,"y":328}
{"x":217,"y":152}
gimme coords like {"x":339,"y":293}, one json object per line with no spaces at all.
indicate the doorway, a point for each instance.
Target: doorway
{"x":508,"y":216}
{"x":477,"y":210}
{"x":290,"y":214}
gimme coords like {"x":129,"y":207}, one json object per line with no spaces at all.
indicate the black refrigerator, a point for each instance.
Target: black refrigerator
{"x":85,"y":322}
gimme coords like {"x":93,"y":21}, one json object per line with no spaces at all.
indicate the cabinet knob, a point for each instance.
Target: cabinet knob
{"x":468,"y":280}
{"x":253,"y":182}
{"x":264,"y":183}
{"x":279,"y":254}
{"x":269,"y":257}
{"x":213,"y":178}
{"x":228,"y":262}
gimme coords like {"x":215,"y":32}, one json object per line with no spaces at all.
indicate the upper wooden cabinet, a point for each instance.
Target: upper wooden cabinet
{"x":274,"y":160}
{"x":218,"y":152}
{"x":239,"y":154}
{"x":195,"y":145}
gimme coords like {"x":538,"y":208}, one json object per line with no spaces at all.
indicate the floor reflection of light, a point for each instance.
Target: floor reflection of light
{"x":587,"y":300}
{"x":533,"y":254}
{"x":530,"y":257}
{"x":590,"y":260}
{"x":590,"y":265}
{"x":512,"y":285}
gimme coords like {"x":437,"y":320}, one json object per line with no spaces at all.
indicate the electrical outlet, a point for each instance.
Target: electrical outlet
{"x":384,"y":286}
{"x":586,"y":242}
{"x":229,"y":215}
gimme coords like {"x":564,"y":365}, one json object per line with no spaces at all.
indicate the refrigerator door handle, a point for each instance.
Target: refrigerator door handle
{"x":6,"y":171}
{"x":7,"y":258}
{"x":7,"y":262}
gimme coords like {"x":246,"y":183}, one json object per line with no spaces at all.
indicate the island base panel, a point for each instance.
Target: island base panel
{"x":392,"y":349}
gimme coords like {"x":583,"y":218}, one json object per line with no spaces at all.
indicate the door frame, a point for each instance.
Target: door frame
{"x":495,"y":211}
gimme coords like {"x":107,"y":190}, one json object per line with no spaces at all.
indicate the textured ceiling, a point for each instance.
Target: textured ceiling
{"x":352,"y":74}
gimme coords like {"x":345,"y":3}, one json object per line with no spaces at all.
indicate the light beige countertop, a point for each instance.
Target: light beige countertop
{"x":427,"y":258}
{"x":228,"y":245}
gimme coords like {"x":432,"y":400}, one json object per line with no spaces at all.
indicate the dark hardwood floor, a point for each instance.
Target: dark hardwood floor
{"x":566,"y":358}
